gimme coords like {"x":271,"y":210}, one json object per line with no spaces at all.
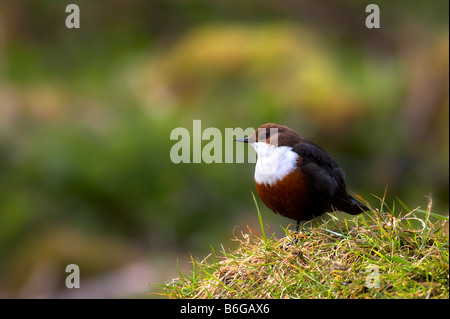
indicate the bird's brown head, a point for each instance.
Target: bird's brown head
{"x":273,"y":134}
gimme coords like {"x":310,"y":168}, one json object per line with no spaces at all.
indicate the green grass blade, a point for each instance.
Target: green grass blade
{"x":260,"y":219}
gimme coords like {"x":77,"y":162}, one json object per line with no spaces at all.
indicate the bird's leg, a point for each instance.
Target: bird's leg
{"x":294,"y":241}
{"x":297,"y":228}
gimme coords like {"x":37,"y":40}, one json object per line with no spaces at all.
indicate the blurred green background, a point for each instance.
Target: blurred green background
{"x":86,"y":115}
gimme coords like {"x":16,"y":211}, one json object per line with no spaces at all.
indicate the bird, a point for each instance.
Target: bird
{"x":296,"y":178}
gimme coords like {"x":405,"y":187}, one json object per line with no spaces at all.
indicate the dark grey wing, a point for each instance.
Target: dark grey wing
{"x":327,"y":176}
{"x":322,"y":173}
{"x":311,"y":153}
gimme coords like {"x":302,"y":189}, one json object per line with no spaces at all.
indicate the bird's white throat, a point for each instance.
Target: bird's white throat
{"x":273,"y":163}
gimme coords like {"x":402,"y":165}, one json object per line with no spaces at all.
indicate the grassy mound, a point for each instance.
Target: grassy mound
{"x":380,"y":254}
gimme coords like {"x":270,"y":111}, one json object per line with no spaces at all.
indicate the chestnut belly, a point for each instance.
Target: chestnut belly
{"x":291,"y":197}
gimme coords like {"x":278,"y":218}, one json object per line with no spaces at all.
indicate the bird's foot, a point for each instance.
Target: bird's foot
{"x":294,"y":241}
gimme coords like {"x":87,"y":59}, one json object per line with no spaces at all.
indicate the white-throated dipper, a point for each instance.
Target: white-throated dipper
{"x":296,"y":178}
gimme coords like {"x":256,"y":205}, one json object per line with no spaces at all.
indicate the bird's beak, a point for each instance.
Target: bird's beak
{"x":241,"y":140}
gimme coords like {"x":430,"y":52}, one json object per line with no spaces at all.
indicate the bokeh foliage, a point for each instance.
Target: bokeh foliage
{"x":86,"y":115}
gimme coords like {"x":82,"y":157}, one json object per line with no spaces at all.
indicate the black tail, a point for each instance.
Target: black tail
{"x":350,"y":206}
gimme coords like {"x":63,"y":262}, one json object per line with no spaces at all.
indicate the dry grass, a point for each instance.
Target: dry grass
{"x":379,"y":254}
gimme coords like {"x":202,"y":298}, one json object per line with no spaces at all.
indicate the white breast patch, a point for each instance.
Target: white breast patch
{"x":273,"y":163}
